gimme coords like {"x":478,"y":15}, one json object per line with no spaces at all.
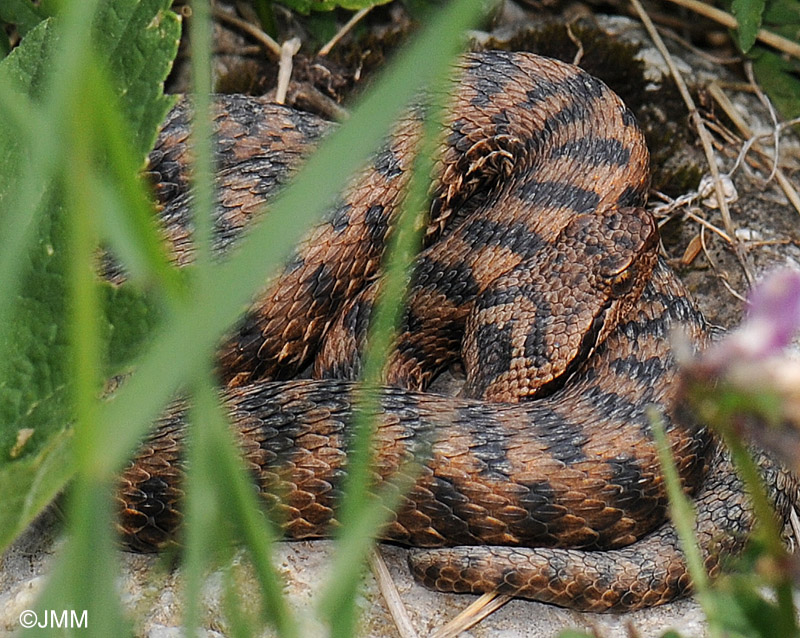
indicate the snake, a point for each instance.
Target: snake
{"x":539,"y":275}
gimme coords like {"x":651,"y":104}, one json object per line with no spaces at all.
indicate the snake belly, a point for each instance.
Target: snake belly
{"x":554,"y":496}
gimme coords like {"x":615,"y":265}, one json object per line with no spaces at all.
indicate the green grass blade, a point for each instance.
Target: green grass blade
{"x":202,"y":506}
{"x":129,"y":221}
{"x":767,"y":530}
{"x":362,"y":513}
{"x":203,"y":503}
{"x":683,"y":517}
{"x":203,"y":165}
{"x":85,"y":578}
{"x":235,"y":491}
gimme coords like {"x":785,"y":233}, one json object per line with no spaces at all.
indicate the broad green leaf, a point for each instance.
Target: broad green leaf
{"x":29,"y":484}
{"x":748,"y":14}
{"x":22,"y":13}
{"x":139,"y":41}
{"x":783,"y":17}
{"x":307,"y":6}
{"x":33,"y":378}
{"x":778,"y":77}
{"x":26,"y":66}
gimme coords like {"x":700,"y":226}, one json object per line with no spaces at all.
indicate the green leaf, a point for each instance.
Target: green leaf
{"x":307,"y":6}
{"x":783,"y":18}
{"x":357,"y":5}
{"x":29,"y":484}
{"x":31,"y":364}
{"x":139,"y":41}
{"x":26,"y":66}
{"x":33,"y":380}
{"x":22,"y":13}
{"x":322,"y":27}
{"x":748,"y":14}
{"x":779,"y":79}
{"x":131,"y":317}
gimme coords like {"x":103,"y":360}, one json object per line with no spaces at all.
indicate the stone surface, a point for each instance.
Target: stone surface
{"x":150,"y":593}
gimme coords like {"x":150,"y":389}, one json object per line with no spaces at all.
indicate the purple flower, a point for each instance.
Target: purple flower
{"x":772,"y":320}
{"x":750,"y":366}
{"x":774,"y":310}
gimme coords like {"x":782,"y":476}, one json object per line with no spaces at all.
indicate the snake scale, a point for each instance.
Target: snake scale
{"x":540,"y":479}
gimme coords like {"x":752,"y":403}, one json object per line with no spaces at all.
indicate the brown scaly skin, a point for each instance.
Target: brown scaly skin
{"x":530,"y":328}
{"x":541,"y":166}
{"x":543,"y":141}
{"x":649,"y":572}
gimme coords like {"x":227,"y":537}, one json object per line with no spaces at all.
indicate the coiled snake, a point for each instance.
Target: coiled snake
{"x":541,"y":479}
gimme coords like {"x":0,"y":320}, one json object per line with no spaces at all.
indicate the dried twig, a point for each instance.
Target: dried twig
{"x":727,"y":20}
{"x":686,"y":44}
{"x":269,"y":44}
{"x":394,"y":603}
{"x":326,"y":49}
{"x":288,"y":50}
{"x":485,"y":605}
{"x":765,"y":101}
{"x":724,"y":102}
{"x":665,"y":209}
{"x":576,"y":60}
{"x":705,"y":138}
{"x":721,"y":274}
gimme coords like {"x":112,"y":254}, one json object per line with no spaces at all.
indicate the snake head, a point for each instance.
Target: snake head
{"x":621,"y":250}
{"x":626,"y":240}
{"x":567,"y":298}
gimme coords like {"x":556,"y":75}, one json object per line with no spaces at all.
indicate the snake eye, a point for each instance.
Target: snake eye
{"x":622,"y":283}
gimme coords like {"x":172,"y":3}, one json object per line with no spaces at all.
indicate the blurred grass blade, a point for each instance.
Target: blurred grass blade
{"x":241,"y":623}
{"x":129,"y":223}
{"x":767,"y":529}
{"x":203,"y":503}
{"x":203,"y":514}
{"x":234,"y":489}
{"x":201,"y":137}
{"x":87,"y":573}
{"x":683,"y":517}
{"x":339,"y":597}
{"x":216,"y":474}
{"x":362,"y":513}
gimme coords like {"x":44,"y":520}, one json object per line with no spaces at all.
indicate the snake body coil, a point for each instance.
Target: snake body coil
{"x":541,"y":479}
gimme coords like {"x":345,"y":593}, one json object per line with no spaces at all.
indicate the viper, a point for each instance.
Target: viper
{"x":539,"y":275}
